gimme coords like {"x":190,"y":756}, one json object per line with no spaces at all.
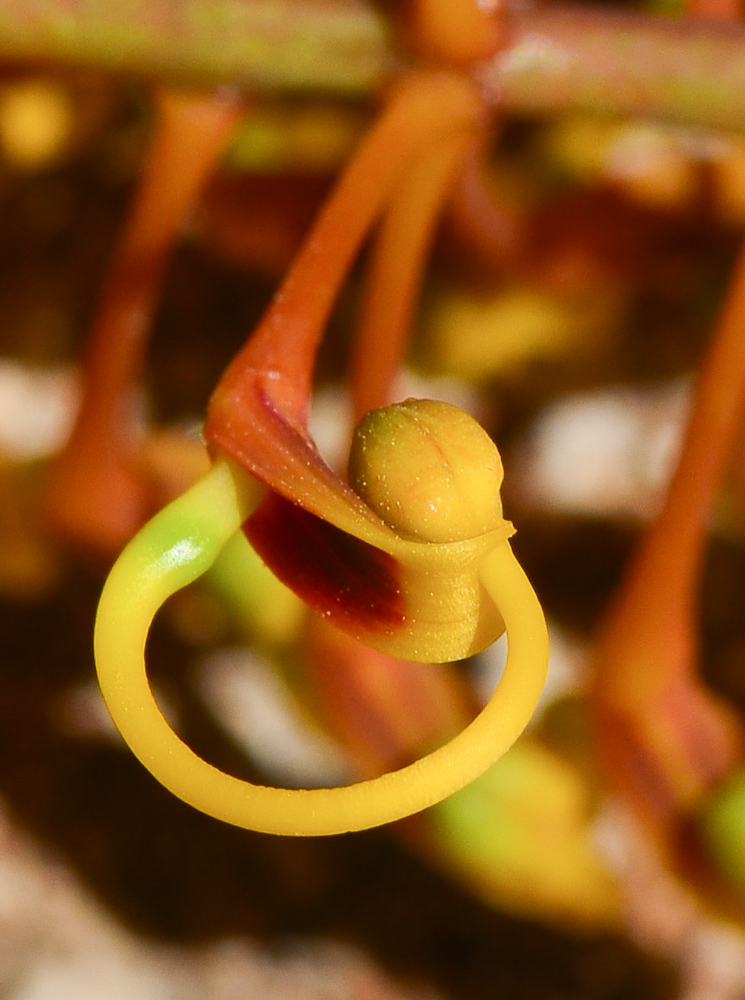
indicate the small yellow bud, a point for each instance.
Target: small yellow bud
{"x":429,"y":470}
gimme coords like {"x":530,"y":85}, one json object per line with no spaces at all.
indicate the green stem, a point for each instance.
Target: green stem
{"x":557,"y":58}
{"x":336,"y":45}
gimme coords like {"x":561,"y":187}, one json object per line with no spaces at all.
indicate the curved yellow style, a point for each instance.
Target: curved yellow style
{"x":174,"y":549}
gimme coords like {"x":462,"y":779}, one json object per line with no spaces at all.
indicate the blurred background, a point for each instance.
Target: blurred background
{"x":578,"y":359}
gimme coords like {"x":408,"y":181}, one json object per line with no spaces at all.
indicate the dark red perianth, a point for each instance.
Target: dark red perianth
{"x":349,"y":582}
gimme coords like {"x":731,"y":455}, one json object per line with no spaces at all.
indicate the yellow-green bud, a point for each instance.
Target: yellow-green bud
{"x":429,"y":470}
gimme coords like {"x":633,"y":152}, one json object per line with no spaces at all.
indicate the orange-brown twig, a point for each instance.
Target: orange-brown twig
{"x":667,"y":739}
{"x":396,"y":267}
{"x":96,"y":494}
{"x":428,"y":108}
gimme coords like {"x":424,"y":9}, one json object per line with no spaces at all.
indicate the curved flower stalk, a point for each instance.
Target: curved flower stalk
{"x":411,"y":556}
{"x":395,"y":274}
{"x":667,"y":740}
{"x":97,"y":493}
{"x":176,"y":547}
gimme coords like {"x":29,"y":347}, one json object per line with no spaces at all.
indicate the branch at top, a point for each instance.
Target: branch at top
{"x":557,"y":58}
{"x":618,"y":61}
{"x":329,"y":45}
